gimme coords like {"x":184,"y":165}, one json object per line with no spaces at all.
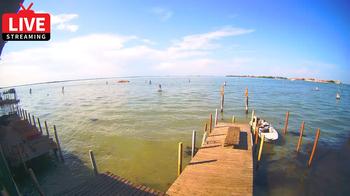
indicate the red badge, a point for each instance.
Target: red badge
{"x":26,"y":25}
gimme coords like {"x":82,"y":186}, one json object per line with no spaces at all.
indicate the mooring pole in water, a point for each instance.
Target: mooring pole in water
{"x":58,"y":143}
{"x":179,"y":159}
{"x":206,"y":127}
{"x":286,"y":123}
{"x":261,"y":146}
{"x":35,"y":181}
{"x":34,"y":122}
{"x":193,"y":149}
{"x":93,"y":162}
{"x":41,"y":130}
{"x":222,"y":92}
{"x":211,"y":122}
{"x":300,"y":135}
{"x":246,"y":100}
{"x":233,"y":119}
{"x":314,"y":147}
{"x":216,"y":117}
{"x":47,"y":130}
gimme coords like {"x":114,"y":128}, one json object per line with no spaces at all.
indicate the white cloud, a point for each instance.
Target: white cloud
{"x":62,"y":22}
{"x":163,"y":13}
{"x":107,"y":55}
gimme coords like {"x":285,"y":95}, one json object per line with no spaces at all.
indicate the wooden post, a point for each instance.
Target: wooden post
{"x":233,"y":119}
{"x":252,"y":119}
{"x":26,"y":115}
{"x":216,"y":117}
{"x":314,"y":147}
{"x":179,"y":159}
{"x":204,"y":138}
{"x":6,"y":177}
{"x":34,"y":122}
{"x":93,"y":162}
{"x":47,"y":130}
{"x":30,"y":119}
{"x":286,"y":123}
{"x":58,"y":143}
{"x":211,"y":122}
{"x":193,"y":143}
{"x":41,"y":130}
{"x":246,"y":100}
{"x":222,"y":92}
{"x":35,"y":181}
{"x":300,"y":135}
{"x":256,"y":134}
{"x":261,"y":147}
{"x":206,"y":127}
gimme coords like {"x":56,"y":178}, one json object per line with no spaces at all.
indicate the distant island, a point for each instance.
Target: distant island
{"x":285,"y":78}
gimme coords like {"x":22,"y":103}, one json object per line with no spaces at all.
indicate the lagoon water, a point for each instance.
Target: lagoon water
{"x":134,"y":130}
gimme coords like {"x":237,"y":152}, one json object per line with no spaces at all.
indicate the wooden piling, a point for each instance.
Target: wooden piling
{"x":47,"y":130}
{"x":252,"y":118}
{"x":211,"y":122}
{"x":40,"y":128}
{"x":35,"y":181}
{"x":30,"y":119}
{"x":233,"y":119}
{"x":193,"y":149}
{"x":204,"y":138}
{"x":300,"y":136}
{"x":261,"y":146}
{"x":246,"y":100}
{"x":286,"y":123}
{"x":26,"y":115}
{"x":93,"y":162}
{"x":58,"y":143}
{"x":179,"y":159}
{"x":206,"y":127}
{"x":34,"y":122}
{"x":314,"y":147}
{"x":222,"y":92}
{"x":256,"y":132}
{"x":216,"y":117}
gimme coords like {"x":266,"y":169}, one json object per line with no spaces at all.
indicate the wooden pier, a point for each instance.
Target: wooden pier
{"x":222,"y":166}
{"x":109,"y":184}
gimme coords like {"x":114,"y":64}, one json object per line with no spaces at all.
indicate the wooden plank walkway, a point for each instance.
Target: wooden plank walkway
{"x":219,"y":170}
{"x":109,"y":184}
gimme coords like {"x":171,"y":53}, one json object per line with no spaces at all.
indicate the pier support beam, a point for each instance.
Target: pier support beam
{"x":193,"y":147}
{"x":47,"y":130}
{"x":222,"y":92}
{"x":179,"y":159}
{"x":246,"y":100}
{"x":35,"y":181}
{"x":216,"y":117}
{"x":40,"y":128}
{"x":93,"y":162}
{"x":211,"y":123}
{"x":58,"y":143}
{"x":233,"y":119}
{"x":34,"y":122}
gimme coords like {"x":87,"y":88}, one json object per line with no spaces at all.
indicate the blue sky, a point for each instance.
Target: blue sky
{"x":121,"y":38}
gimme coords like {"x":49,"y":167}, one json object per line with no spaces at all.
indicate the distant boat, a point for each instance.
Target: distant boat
{"x":123,"y":81}
{"x":337,"y":96}
{"x":316,"y":89}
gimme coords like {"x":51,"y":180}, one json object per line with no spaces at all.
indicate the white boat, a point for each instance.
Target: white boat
{"x":337,"y":96}
{"x":270,"y":133}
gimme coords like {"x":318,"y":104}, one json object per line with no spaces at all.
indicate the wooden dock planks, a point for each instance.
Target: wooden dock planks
{"x":218,"y":170}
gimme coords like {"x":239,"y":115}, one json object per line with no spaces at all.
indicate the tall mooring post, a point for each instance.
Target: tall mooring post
{"x":179,"y":159}
{"x":193,"y":147}
{"x":314,"y":147}
{"x":58,"y":143}
{"x":246,"y":100}
{"x":222,"y":92}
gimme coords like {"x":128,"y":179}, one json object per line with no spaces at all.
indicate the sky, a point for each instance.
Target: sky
{"x":158,"y":38}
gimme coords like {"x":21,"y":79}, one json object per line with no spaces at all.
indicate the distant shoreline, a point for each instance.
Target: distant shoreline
{"x":291,"y":79}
